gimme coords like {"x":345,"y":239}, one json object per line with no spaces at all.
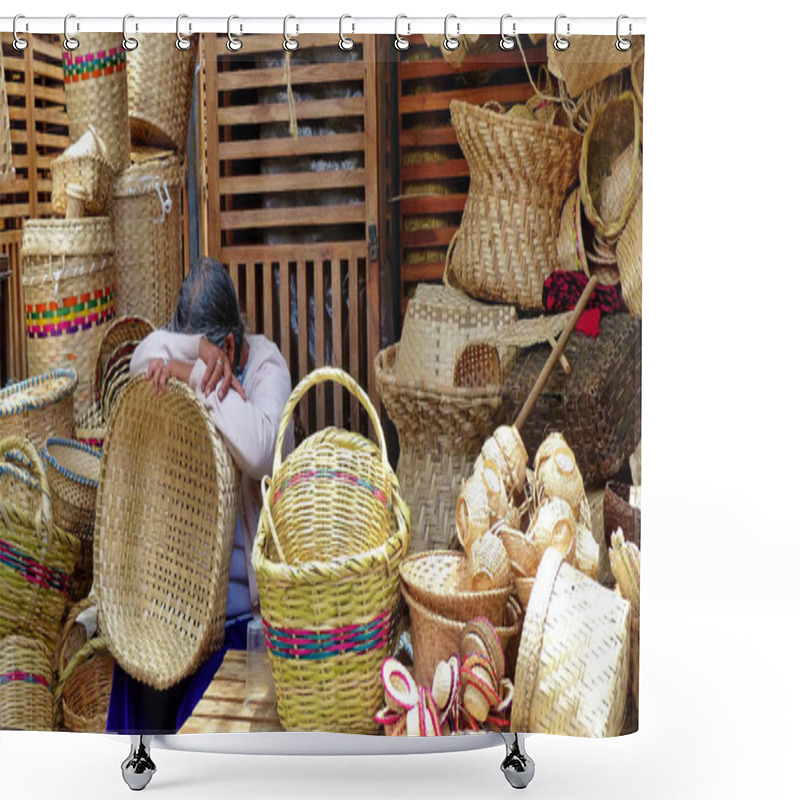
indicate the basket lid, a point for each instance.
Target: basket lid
{"x":37,"y":392}
{"x":149,"y":165}
{"x":86,"y":236}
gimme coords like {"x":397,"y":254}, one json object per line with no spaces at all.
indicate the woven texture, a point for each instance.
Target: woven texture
{"x":166,"y":511}
{"x":520,"y":173}
{"x":37,"y":558}
{"x":618,"y":512}
{"x":84,"y":163}
{"x":629,"y":260}
{"x":572,"y":669}
{"x":160,"y":82}
{"x":597,"y":407}
{"x":122,"y":333}
{"x":587,"y":61}
{"x":6,"y":153}
{"x":26,"y":685}
{"x":441,"y":432}
{"x":96,"y":88}
{"x":68,"y":288}
{"x":570,"y":246}
{"x":90,"y":427}
{"x":84,"y":689}
{"x":148,"y":233}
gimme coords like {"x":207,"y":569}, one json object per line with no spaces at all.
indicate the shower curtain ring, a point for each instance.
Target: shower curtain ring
{"x":506,"y":42}
{"x":451,"y":42}
{"x":233,"y":44}
{"x":70,"y":42}
{"x":400,"y":42}
{"x":182,"y":43}
{"x":19,"y":42}
{"x":623,"y":44}
{"x":345,"y":43}
{"x":289,"y":42}
{"x":561,"y":43}
{"x":128,"y":42}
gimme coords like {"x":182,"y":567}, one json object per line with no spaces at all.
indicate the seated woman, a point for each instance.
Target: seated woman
{"x":244,"y":383}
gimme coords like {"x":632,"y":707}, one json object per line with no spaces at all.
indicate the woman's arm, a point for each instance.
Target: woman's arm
{"x":164,"y":344}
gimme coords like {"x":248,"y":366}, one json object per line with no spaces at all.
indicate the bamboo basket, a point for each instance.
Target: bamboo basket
{"x":570,"y":247}
{"x":90,"y":428}
{"x":629,"y":260}
{"x":586,"y":62}
{"x":520,"y":173}
{"x":73,"y":470}
{"x":166,"y":511}
{"x":122,"y":332}
{"x":68,"y":288}
{"x":84,"y":689}
{"x":160,"y":83}
{"x":73,"y":635}
{"x":26,"y":685}
{"x":37,"y":558}
{"x":96,"y":88}
{"x":572,"y":669}
{"x":84,"y":163}
{"x":619,"y":512}
{"x":148,"y":233}
{"x":6,"y":151}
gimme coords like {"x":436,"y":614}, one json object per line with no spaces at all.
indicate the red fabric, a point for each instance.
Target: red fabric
{"x":562,"y":290}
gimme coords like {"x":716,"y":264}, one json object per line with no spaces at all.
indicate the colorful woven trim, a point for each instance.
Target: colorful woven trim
{"x":93,"y":65}
{"x":26,"y":404}
{"x":72,"y":315}
{"x":18,"y":676}
{"x":32,"y":570}
{"x":307,"y":645}
{"x":21,"y":474}
{"x":82,"y":480}
{"x":333,"y":475}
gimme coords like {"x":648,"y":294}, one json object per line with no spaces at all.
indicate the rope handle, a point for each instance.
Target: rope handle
{"x":12,"y":449}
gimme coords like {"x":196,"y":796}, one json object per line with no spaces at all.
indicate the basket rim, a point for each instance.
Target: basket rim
{"x":453,"y":624}
{"x":452,"y":555}
{"x":53,"y":396}
{"x":70,"y":444}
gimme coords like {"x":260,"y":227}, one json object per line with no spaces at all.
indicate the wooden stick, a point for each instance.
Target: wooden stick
{"x":555,"y":354}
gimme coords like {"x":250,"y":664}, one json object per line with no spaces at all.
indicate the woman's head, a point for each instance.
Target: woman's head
{"x":207,"y":305}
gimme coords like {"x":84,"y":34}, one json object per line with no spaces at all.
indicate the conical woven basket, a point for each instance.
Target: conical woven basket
{"x":587,"y":61}
{"x":572,"y":669}
{"x":68,"y":288}
{"x":148,"y":230}
{"x":86,"y":164}
{"x":26,"y":685}
{"x":6,"y":152}
{"x":96,"y":88}
{"x":160,"y":83}
{"x":166,"y":511}
{"x":629,"y":260}
{"x":520,"y":173}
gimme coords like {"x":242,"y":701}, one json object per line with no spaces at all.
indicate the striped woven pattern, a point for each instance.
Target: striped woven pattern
{"x":32,"y":570}
{"x":341,"y":476}
{"x":93,"y":65}
{"x":19,"y":676}
{"x":26,"y":681}
{"x":72,"y":315}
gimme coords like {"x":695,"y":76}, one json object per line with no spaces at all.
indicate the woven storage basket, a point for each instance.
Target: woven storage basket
{"x":39,"y":407}
{"x":85,"y":164}
{"x":629,"y":260}
{"x":618,"y":512}
{"x":166,"y":511}
{"x":587,"y":61}
{"x":570,"y":247}
{"x":597,"y":407}
{"x":90,"y":427}
{"x":84,"y":689}
{"x":73,"y":470}
{"x":330,"y":605}
{"x":73,"y":635}
{"x":148,"y":233}
{"x":441,"y":432}
{"x":68,"y":287}
{"x":611,"y":165}
{"x":572,"y":669}
{"x":439,"y":580}
{"x":435,"y":638}
{"x":520,"y":173}
{"x":160,"y":83}
{"x":96,"y":88}
{"x":37,"y":558}
{"x":26,"y":685}
{"x":123,"y":331}
{"x":6,"y":152}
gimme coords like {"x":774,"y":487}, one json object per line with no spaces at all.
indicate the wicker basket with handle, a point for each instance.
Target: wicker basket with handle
{"x":26,"y":684}
{"x":83,"y":691}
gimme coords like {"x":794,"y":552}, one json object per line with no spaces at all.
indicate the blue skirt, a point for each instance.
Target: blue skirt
{"x":135,"y":708}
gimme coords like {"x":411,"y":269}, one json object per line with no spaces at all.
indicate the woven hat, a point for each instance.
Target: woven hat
{"x":587,"y":61}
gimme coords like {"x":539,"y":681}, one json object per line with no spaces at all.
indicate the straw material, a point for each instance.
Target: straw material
{"x":26,"y":685}
{"x":597,"y":407}
{"x":620,"y":513}
{"x":6,"y":152}
{"x":572,"y":669}
{"x":469,"y":44}
{"x":84,"y":689}
{"x":148,"y":231}
{"x":160,"y":83}
{"x":570,"y":247}
{"x":37,"y":558}
{"x":441,"y":432}
{"x":39,"y":407}
{"x":96,"y":88}
{"x":166,"y":511}
{"x":629,"y":259}
{"x":556,"y":473}
{"x":473,"y":515}
{"x":73,"y":634}
{"x":124,"y":332}
{"x":506,"y":449}
{"x":489,"y":567}
{"x":626,"y":566}
{"x":84,"y":164}
{"x":68,"y":287}
{"x":637,"y":77}
{"x":439,"y":580}
{"x":90,"y":427}
{"x":587,"y":61}
{"x":520,"y":173}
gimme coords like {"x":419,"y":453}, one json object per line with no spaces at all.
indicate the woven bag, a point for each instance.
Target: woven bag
{"x":83,"y":691}
{"x":441,"y":432}
{"x":6,"y":150}
{"x":68,"y":287}
{"x":587,"y":61}
{"x":26,"y":685}
{"x":84,"y":163}
{"x":166,"y":512}
{"x":520,"y":173}
{"x":629,"y":260}
{"x":160,"y":83}
{"x":148,"y":232}
{"x":37,"y":558}
{"x":572,"y":668}
{"x":73,"y":470}
{"x":96,"y":88}
{"x":597,"y":407}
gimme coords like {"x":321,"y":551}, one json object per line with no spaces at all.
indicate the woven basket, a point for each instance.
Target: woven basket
{"x":6,"y":151}
{"x":441,"y":432}
{"x":520,"y":173}
{"x":611,"y":165}
{"x":96,"y":88}
{"x":435,"y":638}
{"x":570,"y":247}
{"x":73,"y":470}
{"x":39,"y":407}
{"x":123,"y":331}
{"x":148,"y":232}
{"x":73,"y":635}
{"x":84,"y":689}
{"x":572,"y":669}
{"x":68,"y":287}
{"x":439,"y":580}
{"x":37,"y":558}
{"x":90,"y":428}
{"x":629,"y":260}
{"x":587,"y":61}
{"x":619,"y":513}
{"x":85,"y":164}
{"x":597,"y":407}
{"x":160,"y":83}
{"x":166,"y":511}
{"x":26,"y":685}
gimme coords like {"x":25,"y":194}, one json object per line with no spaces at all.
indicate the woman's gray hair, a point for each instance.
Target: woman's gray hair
{"x":208,"y":305}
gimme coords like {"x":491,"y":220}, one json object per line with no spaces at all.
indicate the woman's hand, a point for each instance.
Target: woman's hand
{"x":160,"y":370}
{"x":219,"y":372}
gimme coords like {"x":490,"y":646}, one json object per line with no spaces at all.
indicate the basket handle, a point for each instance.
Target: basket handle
{"x":10,"y":449}
{"x":449,"y":277}
{"x":91,"y":648}
{"x":313,"y":379}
